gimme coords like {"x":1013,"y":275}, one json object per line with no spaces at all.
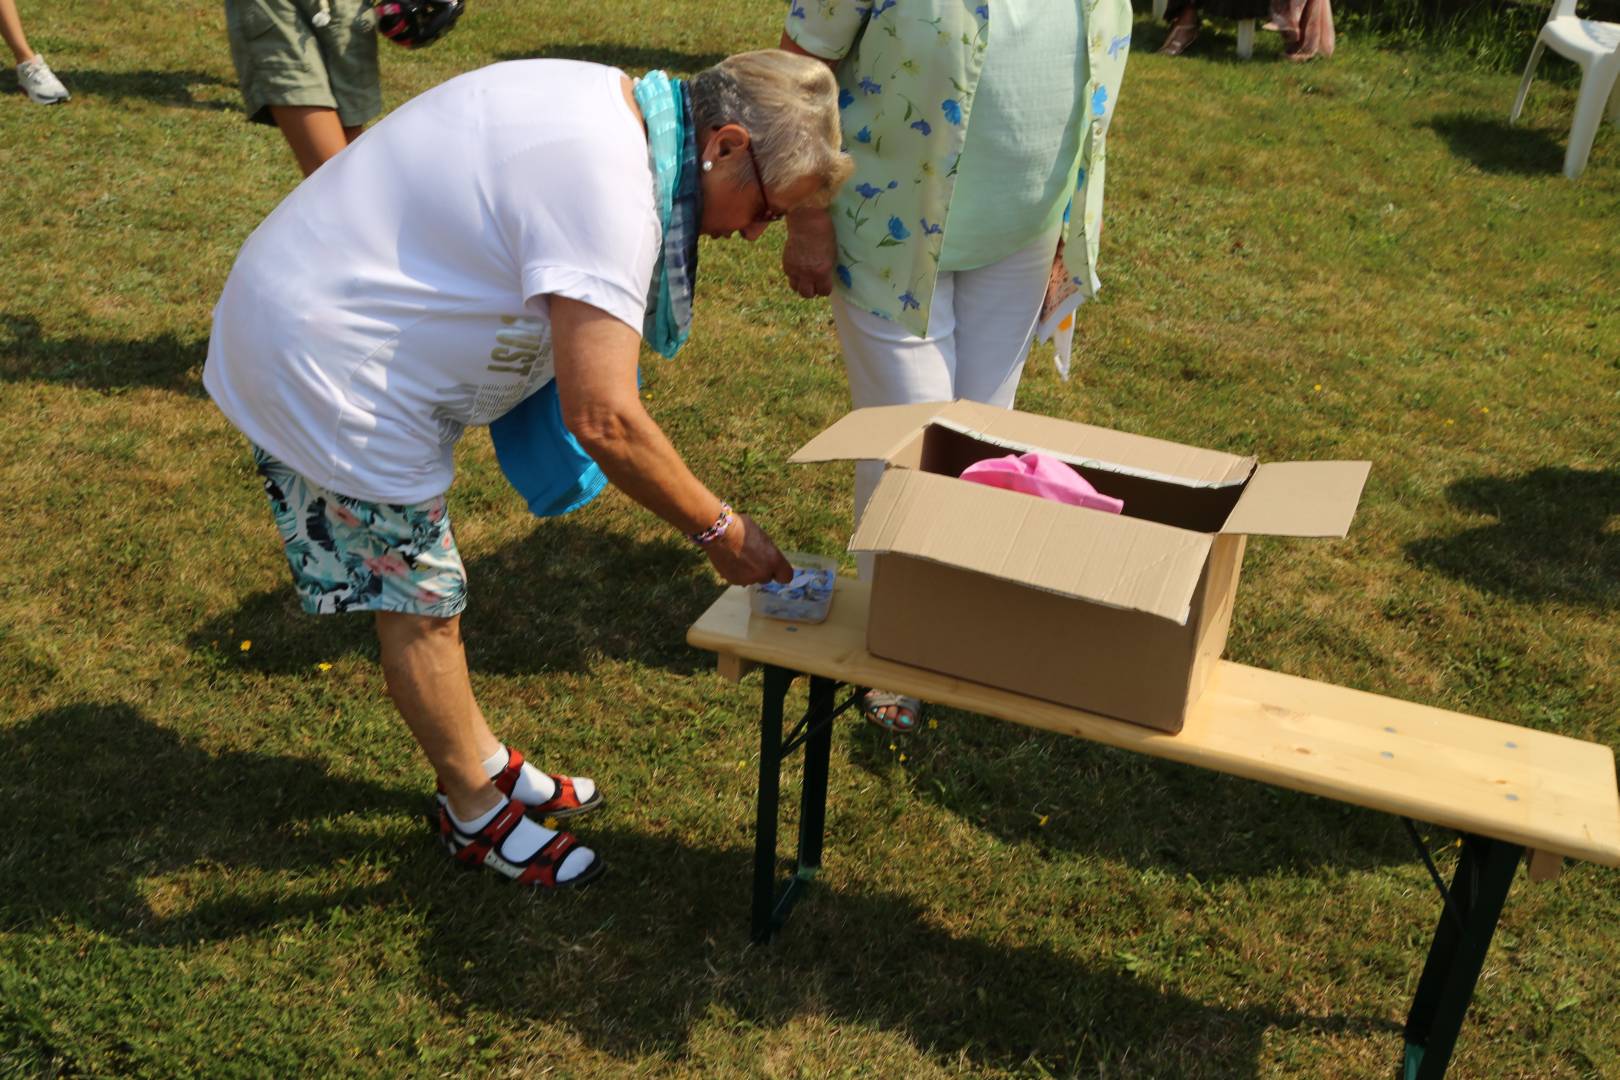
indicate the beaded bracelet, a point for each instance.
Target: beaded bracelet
{"x":715,"y":531}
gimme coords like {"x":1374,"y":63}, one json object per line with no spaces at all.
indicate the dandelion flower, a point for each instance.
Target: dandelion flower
{"x":1317,"y":388}
{"x":551,"y":823}
{"x":245,"y":646}
{"x":902,"y":758}
{"x":323,"y":666}
{"x":932,"y":723}
{"x":1042,"y":820}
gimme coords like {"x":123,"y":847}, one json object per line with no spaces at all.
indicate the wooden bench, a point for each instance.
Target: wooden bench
{"x":1512,"y":792}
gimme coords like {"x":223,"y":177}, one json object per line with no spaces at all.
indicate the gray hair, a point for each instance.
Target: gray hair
{"x":788,"y":104}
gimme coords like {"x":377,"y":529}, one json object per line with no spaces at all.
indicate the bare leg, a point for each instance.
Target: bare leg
{"x":314,"y":133}
{"x":11,"y":30}
{"x":426,"y":670}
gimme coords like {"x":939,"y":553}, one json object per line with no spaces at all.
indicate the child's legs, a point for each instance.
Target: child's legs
{"x":319,"y":86}
{"x":995,"y":311}
{"x":314,"y":133}
{"x":11,"y":30}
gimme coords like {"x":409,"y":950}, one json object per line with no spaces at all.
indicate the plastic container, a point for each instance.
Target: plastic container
{"x":806,"y":599}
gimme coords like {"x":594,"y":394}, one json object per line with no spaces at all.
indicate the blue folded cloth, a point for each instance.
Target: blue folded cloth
{"x":542,"y":459}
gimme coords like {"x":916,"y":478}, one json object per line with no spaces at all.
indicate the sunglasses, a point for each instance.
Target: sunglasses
{"x":769,"y":213}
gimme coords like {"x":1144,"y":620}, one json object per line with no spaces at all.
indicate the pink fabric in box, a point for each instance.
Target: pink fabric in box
{"x":1042,"y":475}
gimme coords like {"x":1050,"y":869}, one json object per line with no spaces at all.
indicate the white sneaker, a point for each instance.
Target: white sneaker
{"x":39,"y":83}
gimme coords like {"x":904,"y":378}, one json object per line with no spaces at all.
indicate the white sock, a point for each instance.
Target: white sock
{"x":525,"y":839}
{"x":533,"y":786}
{"x":472,"y":825}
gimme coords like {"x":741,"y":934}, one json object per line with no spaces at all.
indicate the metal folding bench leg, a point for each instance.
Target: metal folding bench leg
{"x":1468,"y":920}
{"x":814,"y":733}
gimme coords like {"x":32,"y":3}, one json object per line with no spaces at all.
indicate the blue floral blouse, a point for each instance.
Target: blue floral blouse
{"x":906,"y":81}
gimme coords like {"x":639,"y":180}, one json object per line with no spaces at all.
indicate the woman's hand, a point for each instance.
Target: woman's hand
{"x":744,"y":555}
{"x":811,"y":251}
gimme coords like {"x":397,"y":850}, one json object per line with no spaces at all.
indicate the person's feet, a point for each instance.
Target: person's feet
{"x":547,"y":795}
{"x":506,"y":841}
{"x":892,"y":712}
{"x":1183,"y":32}
{"x":39,"y":82}
{"x":1285,"y":21}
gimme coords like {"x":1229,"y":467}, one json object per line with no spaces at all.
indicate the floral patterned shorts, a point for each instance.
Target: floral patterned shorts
{"x":353,"y":555}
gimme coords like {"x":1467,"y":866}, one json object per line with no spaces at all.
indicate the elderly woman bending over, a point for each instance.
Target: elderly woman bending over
{"x":493,"y":252}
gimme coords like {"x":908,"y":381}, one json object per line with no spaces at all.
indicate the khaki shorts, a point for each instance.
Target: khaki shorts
{"x":282,"y":59}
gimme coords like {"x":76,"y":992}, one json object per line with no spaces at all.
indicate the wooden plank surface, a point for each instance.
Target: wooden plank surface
{"x":1548,"y":792}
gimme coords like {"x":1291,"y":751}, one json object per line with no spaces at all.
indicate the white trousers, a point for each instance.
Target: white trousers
{"x":980,"y":327}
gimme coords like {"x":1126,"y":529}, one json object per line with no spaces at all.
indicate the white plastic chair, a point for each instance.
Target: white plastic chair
{"x":1245,"y":28}
{"x":1595,"y":46}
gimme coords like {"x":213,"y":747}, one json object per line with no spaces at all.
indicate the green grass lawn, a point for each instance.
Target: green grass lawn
{"x":215,"y":860}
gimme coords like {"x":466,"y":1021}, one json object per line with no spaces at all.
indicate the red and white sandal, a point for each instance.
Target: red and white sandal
{"x":483,"y":848}
{"x":565,"y":803}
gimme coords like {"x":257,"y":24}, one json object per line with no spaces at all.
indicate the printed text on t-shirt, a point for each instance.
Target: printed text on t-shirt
{"x":518,"y":347}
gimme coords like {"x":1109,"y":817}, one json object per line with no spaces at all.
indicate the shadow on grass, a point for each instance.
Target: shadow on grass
{"x":1494,"y":145}
{"x":1552,"y":541}
{"x":560,"y":599}
{"x":98,"y":798}
{"x":159,"y":87}
{"x":1056,"y":793}
{"x":663,"y":941}
{"x":166,"y":361}
{"x":632,"y":58}
{"x":632,"y":964}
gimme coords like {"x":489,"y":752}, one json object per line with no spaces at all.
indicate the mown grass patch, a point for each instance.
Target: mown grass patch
{"x":217,"y":863}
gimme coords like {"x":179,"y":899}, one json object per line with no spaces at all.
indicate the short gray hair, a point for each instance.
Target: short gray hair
{"x":788,"y":104}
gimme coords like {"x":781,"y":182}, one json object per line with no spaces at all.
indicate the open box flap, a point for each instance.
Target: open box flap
{"x":874,"y":433}
{"x":1299,"y":498}
{"x":1105,"y":558}
{"x":1082,"y":444}
{"x":882,"y":431}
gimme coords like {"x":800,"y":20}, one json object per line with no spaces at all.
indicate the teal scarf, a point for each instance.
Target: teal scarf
{"x":666,"y":106}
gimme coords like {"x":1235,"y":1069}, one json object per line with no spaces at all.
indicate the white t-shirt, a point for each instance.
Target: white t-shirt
{"x":399,"y":294}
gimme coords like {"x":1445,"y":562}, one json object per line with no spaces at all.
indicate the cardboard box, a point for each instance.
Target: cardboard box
{"x":1120,"y":614}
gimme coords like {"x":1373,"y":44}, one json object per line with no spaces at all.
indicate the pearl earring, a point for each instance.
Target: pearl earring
{"x":708,"y":166}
